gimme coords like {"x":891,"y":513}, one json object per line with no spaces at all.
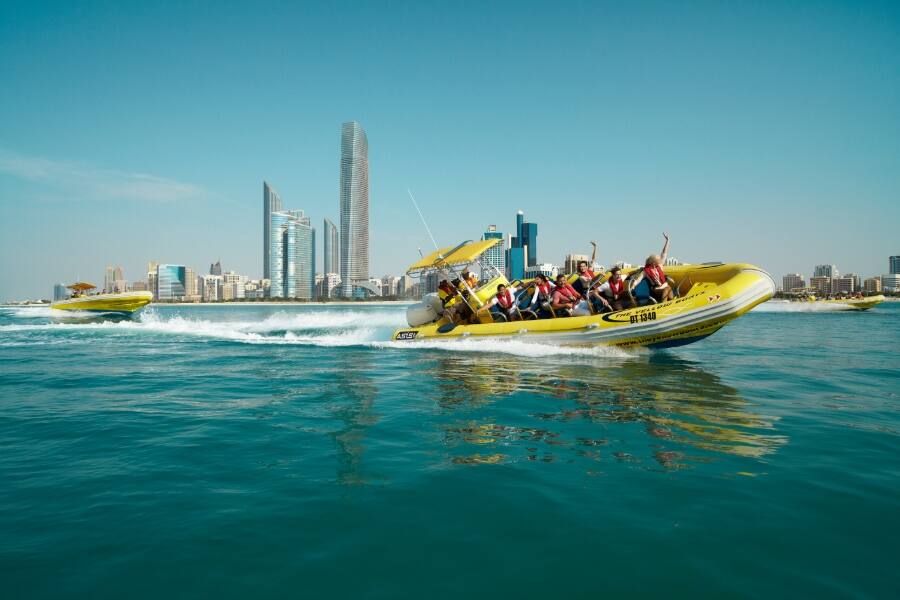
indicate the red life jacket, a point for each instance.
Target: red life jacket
{"x":569,"y":292}
{"x":656,"y":275}
{"x":587,"y":273}
{"x":544,"y":288}
{"x":616,"y":287}
{"x":505,"y":299}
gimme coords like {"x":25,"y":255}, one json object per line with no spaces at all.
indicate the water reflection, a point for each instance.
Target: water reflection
{"x":652,"y":406}
{"x":354,"y":408}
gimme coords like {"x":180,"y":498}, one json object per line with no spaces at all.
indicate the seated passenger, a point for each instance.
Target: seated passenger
{"x":585,"y":278}
{"x":613,"y":293}
{"x":504,"y":303}
{"x":469,"y":279}
{"x":446,"y":291}
{"x":660,"y":285}
{"x":539,"y":303}
{"x":564,"y":297}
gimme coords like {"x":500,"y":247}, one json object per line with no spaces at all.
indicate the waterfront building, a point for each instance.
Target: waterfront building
{"x":672,"y":262}
{"x":152,"y":286}
{"x":894,"y":265}
{"x":354,"y":205}
{"x":170,"y":281}
{"x":139,"y":286}
{"x":329,"y":286}
{"x":211,"y":288}
{"x":191,"y":285}
{"x":522,"y":247}
{"x":548,"y":269}
{"x":821,"y":284}
{"x":625,"y":266}
{"x":60,"y":292}
{"x":830,"y":271}
{"x":872,"y":285}
{"x":843,"y":285}
{"x":495,"y":256}
{"x":792,"y":281}
{"x":390,"y":285}
{"x":292,"y":255}
{"x":331,"y":246}
{"x":108,"y":280}
{"x":271,"y":203}
{"x":233,"y":286}
{"x":890,"y":282}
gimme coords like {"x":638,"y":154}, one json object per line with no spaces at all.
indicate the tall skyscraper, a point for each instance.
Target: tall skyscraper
{"x":523,"y":247}
{"x":271,"y":203}
{"x":215,"y":268}
{"x":292,"y":255}
{"x":894,"y":265}
{"x":354,"y":204}
{"x":60,"y":292}
{"x":495,"y":256}
{"x":332,"y":248}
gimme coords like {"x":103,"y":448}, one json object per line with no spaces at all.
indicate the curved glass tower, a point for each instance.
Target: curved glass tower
{"x":354,"y":237}
{"x":271,"y":203}
{"x":332,"y":248}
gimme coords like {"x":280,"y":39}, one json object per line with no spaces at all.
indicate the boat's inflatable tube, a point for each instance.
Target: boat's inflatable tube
{"x":426,"y":311}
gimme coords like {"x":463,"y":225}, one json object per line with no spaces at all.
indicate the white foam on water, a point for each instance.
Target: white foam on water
{"x":326,"y":328}
{"x":785,"y":306}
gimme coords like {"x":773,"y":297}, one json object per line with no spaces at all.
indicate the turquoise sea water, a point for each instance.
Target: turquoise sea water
{"x":273,"y":451}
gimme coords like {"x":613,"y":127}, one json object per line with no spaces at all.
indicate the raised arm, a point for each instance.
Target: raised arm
{"x":665,"y":250}
{"x":593,"y":255}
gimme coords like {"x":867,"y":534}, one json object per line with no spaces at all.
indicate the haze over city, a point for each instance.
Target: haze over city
{"x":761,"y":134}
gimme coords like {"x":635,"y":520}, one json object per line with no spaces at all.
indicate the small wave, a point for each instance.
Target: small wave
{"x":529,"y":349}
{"x":783,"y":306}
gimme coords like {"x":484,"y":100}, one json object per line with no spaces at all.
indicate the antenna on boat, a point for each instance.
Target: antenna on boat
{"x":416,"y":204}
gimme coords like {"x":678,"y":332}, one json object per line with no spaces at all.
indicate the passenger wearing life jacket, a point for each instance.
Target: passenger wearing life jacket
{"x":613,"y":292}
{"x":660,"y":285}
{"x":446,"y":291}
{"x":504,"y":303}
{"x":564,"y":297}
{"x":586,"y":275}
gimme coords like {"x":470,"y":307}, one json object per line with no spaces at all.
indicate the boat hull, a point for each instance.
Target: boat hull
{"x":709,"y":297}
{"x":124,"y":303}
{"x":857,"y":303}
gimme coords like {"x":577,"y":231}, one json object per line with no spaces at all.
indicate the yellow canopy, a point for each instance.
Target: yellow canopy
{"x":81,"y":286}
{"x":462,"y":254}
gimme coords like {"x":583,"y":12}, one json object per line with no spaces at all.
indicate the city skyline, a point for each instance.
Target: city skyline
{"x":782,"y":155}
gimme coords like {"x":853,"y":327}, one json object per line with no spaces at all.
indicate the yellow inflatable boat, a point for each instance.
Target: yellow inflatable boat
{"x":120,"y":303}
{"x":708,"y":296}
{"x":864,"y":303}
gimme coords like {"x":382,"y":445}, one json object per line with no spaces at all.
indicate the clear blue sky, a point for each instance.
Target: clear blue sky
{"x":768,"y":133}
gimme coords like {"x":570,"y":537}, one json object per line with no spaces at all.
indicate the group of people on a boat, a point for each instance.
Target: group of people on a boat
{"x":567,"y":295}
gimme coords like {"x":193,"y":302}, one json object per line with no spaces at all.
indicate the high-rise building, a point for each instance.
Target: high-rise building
{"x":108,"y":280}
{"x":522,"y":246}
{"x":894,"y":265}
{"x":152,"y":286}
{"x":170,"y":281}
{"x":825,"y":271}
{"x":872,"y":285}
{"x":390,"y":285}
{"x":331,"y":242}
{"x":191,"y":287}
{"x":792,"y":281}
{"x":215,"y":268}
{"x":843,"y":285}
{"x":271,"y":203}
{"x":60,"y":292}
{"x":211,"y":288}
{"x":354,"y":204}
{"x":292,"y":255}
{"x":496,"y":255}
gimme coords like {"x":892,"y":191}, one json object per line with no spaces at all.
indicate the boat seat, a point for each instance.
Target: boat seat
{"x":641,"y":293}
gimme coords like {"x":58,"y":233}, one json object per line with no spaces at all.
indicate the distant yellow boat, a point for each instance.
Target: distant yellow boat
{"x":864,"y":303}
{"x":121,"y":303}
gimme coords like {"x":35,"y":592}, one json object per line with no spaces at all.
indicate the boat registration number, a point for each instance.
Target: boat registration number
{"x":644,"y":316}
{"x":407,"y":335}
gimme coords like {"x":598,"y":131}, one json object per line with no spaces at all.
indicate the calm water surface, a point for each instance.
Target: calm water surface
{"x":279,"y":451}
